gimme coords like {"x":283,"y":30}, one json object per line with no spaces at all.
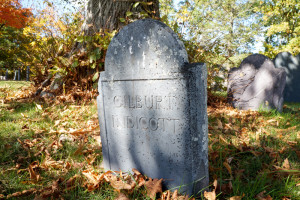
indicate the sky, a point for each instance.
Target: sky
{"x":63,"y":7}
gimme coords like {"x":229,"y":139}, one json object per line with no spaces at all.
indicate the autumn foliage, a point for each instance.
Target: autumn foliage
{"x":12,"y":14}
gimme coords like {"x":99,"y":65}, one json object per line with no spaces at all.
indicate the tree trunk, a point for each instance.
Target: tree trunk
{"x":106,"y":14}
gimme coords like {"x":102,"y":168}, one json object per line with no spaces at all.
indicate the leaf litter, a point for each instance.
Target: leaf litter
{"x":231,"y":132}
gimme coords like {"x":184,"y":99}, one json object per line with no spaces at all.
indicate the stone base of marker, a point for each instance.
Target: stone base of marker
{"x":152,"y":107}
{"x":256,"y":84}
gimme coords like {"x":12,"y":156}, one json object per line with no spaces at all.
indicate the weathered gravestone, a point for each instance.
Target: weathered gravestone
{"x":256,"y":84}
{"x":6,"y":74}
{"x":152,"y":107}
{"x":291,"y":65}
{"x":27,"y":73}
{"x":19,"y":74}
{"x":16,"y":75}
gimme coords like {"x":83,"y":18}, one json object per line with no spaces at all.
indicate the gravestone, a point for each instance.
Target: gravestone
{"x":256,"y":84}
{"x":16,"y":75}
{"x":6,"y":75}
{"x":291,"y":65}
{"x":27,"y":73}
{"x":19,"y":74}
{"x":152,"y":107}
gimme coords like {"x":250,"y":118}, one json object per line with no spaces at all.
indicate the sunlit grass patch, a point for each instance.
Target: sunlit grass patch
{"x":251,"y":154}
{"x":255,"y":154}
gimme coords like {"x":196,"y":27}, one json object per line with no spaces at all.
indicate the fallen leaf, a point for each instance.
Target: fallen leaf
{"x":39,"y":106}
{"x":235,"y":198}
{"x":33,"y":175}
{"x":286,"y":164}
{"x":175,"y":194}
{"x":153,"y":187}
{"x":120,"y":184}
{"x":136,"y":172}
{"x":227,"y":166}
{"x":220,"y":125}
{"x":211,"y":195}
{"x":261,"y":196}
{"x":122,"y":196}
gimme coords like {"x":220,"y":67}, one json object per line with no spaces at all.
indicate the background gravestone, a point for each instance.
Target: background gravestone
{"x":27,"y":73}
{"x":19,"y":74}
{"x":256,"y":84}
{"x":291,"y":65}
{"x":16,"y":75}
{"x":152,"y":107}
{"x":6,"y":74}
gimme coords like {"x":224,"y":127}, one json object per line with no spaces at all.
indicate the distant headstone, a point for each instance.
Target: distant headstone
{"x":15,"y":76}
{"x":152,"y":107}
{"x":256,"y":84}
{"x":291,"y":65}
{"x":27,"y":73}
{"x":6,"y":75}
{"x":19,"y":74}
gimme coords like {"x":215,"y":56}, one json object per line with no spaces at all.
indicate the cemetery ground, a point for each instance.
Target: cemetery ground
{"x":52,"y":150}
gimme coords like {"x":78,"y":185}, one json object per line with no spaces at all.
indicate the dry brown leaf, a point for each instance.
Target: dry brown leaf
{"x":80,"y":149}
{"x":261,"y":196}
{"x":166,"y":195}
{"x":286,"y":164}
{"x":220,"y":125}
{"x":119,"y":184}
{"x":122,"y":196}
{"x":153,"y":187}
{"x":175,"y":195}
{"x":211,"y":195}
{"x":71,"y":181}
{"x":227,"y":166}
{"x":50,"y":163}
{"x":91,"y":176}
{"x":236,"y":197}
{"x":33,"y":175}
{"x":136,"y":172}
{"x":19,"y":194}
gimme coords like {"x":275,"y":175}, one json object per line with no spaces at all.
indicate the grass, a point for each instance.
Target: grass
{"x":251,"y":154}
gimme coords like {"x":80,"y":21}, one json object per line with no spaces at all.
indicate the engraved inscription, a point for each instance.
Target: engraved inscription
{"x":145,"y":123}
{"x":151,"y":102}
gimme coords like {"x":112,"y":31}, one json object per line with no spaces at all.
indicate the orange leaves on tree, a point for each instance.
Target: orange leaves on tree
{"x":12,"y":14}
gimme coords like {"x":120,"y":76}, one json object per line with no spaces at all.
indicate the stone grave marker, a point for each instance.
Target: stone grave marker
{"x":152,"y":107}
{"x":16,"y":75}
{"x":27,"y":73}
{"x":19,"y":74}
{"x":256,"y":84}
{"x":291,"y":65}
{"x":6,"y":75}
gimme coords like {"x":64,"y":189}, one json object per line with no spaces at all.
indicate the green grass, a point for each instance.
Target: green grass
{"x":14,"y":84}
{"x":256,"y":145}
{"x":253,"y":144}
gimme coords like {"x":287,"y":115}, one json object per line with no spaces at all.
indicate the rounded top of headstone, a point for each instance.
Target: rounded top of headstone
{"x":257,"y":61}
{"x":145,"y":49}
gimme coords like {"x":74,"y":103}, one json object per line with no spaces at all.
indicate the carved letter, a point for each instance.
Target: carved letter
{"x":153,"y":124}
{"x":118,"y":101}
{"x":149,"y":105}
{"x":130,"y":122}
{"x":139,"y":102}
{"x":158,"y":101}
{"x":131,"y":102}
{"x":143,"y":123}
